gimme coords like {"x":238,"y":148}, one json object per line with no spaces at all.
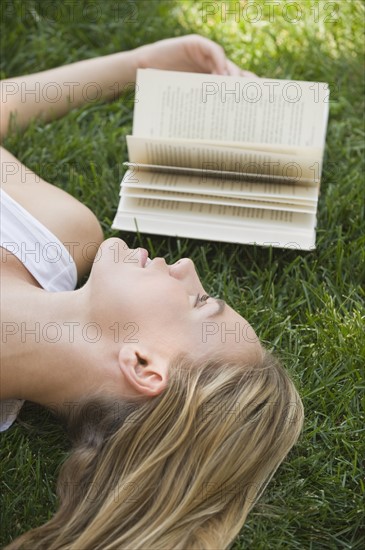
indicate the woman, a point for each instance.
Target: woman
{"x":178,"y":427}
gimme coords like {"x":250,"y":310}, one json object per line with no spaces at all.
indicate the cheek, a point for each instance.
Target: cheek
{"x":158,"y":302}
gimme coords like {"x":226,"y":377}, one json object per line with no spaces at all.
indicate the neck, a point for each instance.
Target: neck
{"x":53,"y":352}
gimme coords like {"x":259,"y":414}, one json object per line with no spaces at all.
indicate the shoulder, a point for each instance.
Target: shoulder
{"x":74,"y":224}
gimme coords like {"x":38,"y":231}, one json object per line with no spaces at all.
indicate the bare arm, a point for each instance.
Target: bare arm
{"x":51,"y":94}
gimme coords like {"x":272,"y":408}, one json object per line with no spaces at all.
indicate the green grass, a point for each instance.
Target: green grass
{"x":308,"y":307}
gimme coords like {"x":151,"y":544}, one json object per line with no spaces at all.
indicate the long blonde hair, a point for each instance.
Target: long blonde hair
{"x":178,"y":471}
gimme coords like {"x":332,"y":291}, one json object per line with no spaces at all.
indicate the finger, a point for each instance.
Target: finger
{"x":249,"y":74}
{"x":234,"y":70}
{"x":215,"y":55}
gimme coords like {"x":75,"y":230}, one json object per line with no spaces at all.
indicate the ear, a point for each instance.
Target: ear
{"x":145,"y":372}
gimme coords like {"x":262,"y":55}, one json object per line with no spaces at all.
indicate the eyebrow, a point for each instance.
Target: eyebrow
{"x":221,"y":305}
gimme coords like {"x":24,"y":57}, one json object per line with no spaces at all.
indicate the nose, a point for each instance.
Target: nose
{"x":182,"y":268}
{"x":185,"y":271}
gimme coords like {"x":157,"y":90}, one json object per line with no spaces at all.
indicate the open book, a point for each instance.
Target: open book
{"x":225,"y":158}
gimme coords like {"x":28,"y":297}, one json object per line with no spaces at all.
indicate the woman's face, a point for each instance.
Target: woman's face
{"x":164,"y":306}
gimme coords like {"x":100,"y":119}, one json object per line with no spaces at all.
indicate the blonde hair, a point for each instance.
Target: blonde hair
{"x":178,"y":471}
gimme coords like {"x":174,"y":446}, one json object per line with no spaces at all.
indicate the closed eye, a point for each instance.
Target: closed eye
{"x":201,"y":299}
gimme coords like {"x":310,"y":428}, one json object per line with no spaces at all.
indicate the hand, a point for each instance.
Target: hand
{"x":191,"y":53}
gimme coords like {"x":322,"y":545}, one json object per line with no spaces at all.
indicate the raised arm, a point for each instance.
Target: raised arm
{"x":51,"y":94}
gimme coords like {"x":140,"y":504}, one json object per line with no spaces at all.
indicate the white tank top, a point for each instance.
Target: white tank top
{"x":44,"y":256}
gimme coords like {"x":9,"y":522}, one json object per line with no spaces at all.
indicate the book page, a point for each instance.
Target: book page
{"x":224,"y":186}
{"x":267,"y":148}
{"x":207,"y":199}
{"x":171,"y":104}
{"x":211,"y":213}
{"x":220,"y":223}
{"x":193,"y":154}
{"x":221,"y":174}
